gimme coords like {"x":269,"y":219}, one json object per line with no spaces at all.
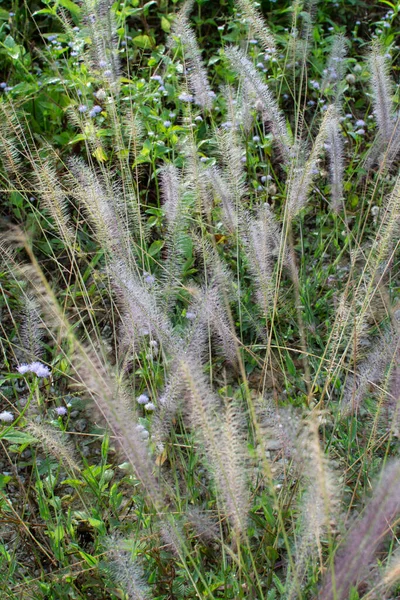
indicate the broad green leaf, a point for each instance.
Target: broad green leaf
{"x":165,"y":25}
{"x":73,"y":8}
{"x":89,"y":559}
{"x":18,"y":437}
{"x":143,"y":41}
{"x":155,"y":247}
{"x":13,"y":50}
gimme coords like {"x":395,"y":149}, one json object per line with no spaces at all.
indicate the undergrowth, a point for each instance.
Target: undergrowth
{"x":200,"y":314}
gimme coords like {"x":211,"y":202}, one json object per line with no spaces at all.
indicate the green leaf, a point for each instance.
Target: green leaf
{"x":165,"y":25}
{"x":143,"y":41}
{"x":58,"y":534}
{"x":290,"y":366}
{"x":155,"y":247}
{"x":89,"y":559}
{"x":73,"y":8}
{"x":13,"y":50}
{"x":4,"y":479}
{"x":18,"y":437}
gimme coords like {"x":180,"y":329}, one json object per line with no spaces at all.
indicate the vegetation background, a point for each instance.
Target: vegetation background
{"x":200,"y":299}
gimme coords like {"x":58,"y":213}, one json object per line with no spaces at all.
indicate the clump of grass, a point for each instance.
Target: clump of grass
{"x":192,"y":313}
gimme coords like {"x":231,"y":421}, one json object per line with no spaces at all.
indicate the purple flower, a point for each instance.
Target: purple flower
{"x":190,"y":315}
{"x":82,"y":108}
{"x":157,"y":78}
{"x":102,"y":64}
{"x":184,"y":97}
{"x":6,"y":416}
{"x":61,"y":411}
{"x":142,"y":399}
{"x":39,"y":369}
{"x":95,"y":110}
{"x":149,"y":278}
{"x":167,"y":123}
{"x":360,"y":123}
{"x":36,"y":367}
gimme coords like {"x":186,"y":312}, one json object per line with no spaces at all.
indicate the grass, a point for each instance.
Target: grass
{"x":200,"y":305}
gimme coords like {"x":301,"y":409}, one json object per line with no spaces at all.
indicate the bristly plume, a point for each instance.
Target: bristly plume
{"x":365,"y":536}
{"x":221,"y":432}
{"x":334,"y":148}
{"x":262,"y":240}
{"x":231,"y":153}
{"x":382,"y":90}
{"x":11,"y":136}
{"x":125,"y":569}
{"x":104,"y":205}
{"x":221,"y":187}
{"x":54,"y":198}
{"x":211,"y":314}
{"x":334,"y":72}
{"x":31,"y":333}
{"x":204,"y":524}
{"x":319,"y":504}
{"x":143,"y":315}
{"x":171,"y":182}
{"x":269,"y":106}
{"x":55,"y":443}
{"x":177,"y":238}
{"x":241,"y":110}
{"x":195,"y":69}
{"x":370,"y":371}
{"x":302,"y":177}
{"x":388,"y":230}
{"x":104,"y":390}
{"x":102,"y":29}
{"x":257,"y":24}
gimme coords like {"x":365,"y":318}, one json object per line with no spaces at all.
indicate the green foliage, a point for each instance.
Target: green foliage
{"x":76,"y":517}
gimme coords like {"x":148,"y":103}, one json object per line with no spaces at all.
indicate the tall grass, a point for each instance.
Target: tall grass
{"x":237,"y":354}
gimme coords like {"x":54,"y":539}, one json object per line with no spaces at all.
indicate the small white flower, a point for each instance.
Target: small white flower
{"x":61,"y":411}
{"x":6,"y":416}
{"x":190,"y":315}
{"x":149,"y":406}
{"x":101,"y":94}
